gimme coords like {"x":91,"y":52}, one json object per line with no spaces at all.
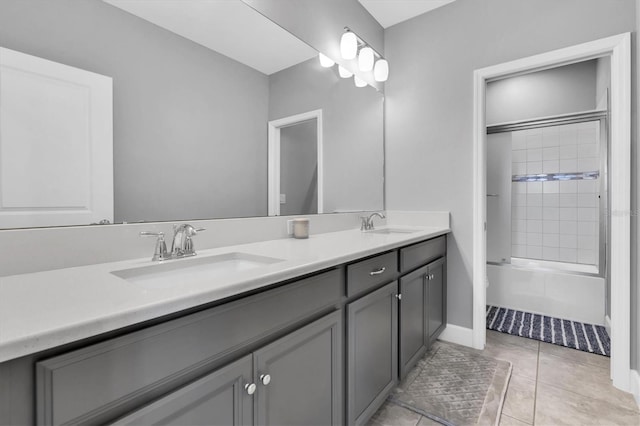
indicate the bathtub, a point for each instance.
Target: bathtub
{"x":562,"y":290}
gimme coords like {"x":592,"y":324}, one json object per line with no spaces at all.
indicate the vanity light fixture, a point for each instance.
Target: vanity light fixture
{"x":349,"y":45}
{"x":352,"y":45}
{"x":359,"y":82}
{"x":325,"y":61}
{"x":344,"y":73}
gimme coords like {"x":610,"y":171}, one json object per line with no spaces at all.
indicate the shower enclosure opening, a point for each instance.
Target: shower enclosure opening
{"x":547,"y":216}
{"x":546,"y":193}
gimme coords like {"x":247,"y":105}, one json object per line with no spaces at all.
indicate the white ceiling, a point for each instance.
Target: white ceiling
{"x":391,"y":12}
{"x":229,"y":27}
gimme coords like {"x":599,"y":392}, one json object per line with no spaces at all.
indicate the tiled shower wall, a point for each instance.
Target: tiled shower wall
{"x":556,"y":220}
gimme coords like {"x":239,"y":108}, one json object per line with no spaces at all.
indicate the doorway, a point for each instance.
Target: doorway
{"x":295,"y":165}
{"x":619,"y":51}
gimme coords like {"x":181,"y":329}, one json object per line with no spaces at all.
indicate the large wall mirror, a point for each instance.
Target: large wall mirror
{"x":198,"y":87}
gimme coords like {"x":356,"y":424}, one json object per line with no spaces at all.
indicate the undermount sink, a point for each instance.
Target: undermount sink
{"x":185,"y":271}
{"x":392,"y":231}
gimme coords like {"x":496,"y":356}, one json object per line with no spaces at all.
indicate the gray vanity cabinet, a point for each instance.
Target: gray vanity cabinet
{"x":413,"y":331}
{"x":299,"y":376}
{"x":372,"y":353}
{"x":436,"y":298}
{"x":219,"y":398}
{"x":423,"y":300}
{"x":296,"y":380}
{"x":110,"y":379}
{"x":324,"y":349}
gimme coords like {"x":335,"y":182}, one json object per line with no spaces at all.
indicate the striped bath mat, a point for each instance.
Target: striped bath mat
{"x":572,"y":334}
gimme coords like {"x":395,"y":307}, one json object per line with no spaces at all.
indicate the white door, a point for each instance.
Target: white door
{"x":56,"y":143}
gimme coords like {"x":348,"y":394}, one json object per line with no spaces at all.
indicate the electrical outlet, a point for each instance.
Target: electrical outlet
{"x":283,"y":198}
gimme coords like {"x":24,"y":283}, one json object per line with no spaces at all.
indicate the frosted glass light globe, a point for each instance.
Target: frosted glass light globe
{"x":349,"y":45}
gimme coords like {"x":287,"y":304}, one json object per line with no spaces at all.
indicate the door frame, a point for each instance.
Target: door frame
{"x":273,"y":179}
{"x":618,"y":48}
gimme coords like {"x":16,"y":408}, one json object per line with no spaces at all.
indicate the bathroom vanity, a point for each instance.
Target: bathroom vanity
{"x":325,"y":345}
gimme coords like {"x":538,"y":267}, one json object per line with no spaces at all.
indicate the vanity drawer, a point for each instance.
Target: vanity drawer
{"x":96,"y":383}
{"x":369,"y":273}
{"x":422,"y":253}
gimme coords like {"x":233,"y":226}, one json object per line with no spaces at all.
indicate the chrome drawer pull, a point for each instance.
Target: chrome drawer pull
{"x":265,"y":379}
{"x":378,"y":271}
{"x":250,"y":388}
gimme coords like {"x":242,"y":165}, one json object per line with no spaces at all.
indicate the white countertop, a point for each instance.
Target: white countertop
{"x":43,"y":310}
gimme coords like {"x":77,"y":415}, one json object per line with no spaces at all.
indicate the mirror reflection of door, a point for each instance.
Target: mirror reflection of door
{"x":299,"y":168}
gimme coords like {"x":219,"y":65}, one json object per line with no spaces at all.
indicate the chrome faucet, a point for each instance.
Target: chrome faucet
{"x":182,"y":245}
{"x":367,"y":222}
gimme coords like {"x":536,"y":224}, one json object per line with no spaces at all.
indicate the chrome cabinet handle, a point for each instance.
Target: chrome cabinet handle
{"x":399,"y":296}
{"x":378,"y":271}
{"x":250,"y":388}
{"x":493,"y":195}
{"x":265,"y":379}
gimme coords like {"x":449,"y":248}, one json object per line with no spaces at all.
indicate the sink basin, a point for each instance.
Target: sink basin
{"x":392,"y":231}
{"x":197,"y":269}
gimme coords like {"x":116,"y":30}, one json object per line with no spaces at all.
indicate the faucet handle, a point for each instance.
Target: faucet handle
{"x":364,"y":223}
{"x":151,"y":234}
{"x":160,"y":252}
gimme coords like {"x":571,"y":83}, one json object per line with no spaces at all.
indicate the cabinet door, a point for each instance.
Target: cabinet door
{"x":219,"y":398}
{"x":372,"y":355}
{"x":299,"y":377}
{"x":413,"y":319}
{"x":437,"y":298}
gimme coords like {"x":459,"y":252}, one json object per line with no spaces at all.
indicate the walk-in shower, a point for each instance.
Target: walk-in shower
{"x":546,"y":215}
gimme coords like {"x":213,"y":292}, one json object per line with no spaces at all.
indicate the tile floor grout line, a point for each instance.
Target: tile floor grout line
{"x":535,"y":392}
{"x":613,"y":404}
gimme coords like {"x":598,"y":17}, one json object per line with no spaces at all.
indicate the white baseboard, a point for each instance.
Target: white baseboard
{"x":607,"y":324}
{"x":634,"y":380}
{"x":456,"y":334}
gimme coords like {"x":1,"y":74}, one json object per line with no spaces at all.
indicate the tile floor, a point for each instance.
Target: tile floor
{"x":550,"y":385}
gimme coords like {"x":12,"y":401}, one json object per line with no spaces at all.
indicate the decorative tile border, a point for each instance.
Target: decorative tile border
{"x":545,"y":177}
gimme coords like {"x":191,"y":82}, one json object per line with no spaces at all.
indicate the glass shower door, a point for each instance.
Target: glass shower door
{"x":499,"y":197}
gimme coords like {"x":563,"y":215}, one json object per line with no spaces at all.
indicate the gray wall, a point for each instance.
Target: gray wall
{"x":299,"y":168}
{"x":556,"y":91}
{"x":189,"y":124}
{"x":352,"y":129}
{"x":429,"y":102}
